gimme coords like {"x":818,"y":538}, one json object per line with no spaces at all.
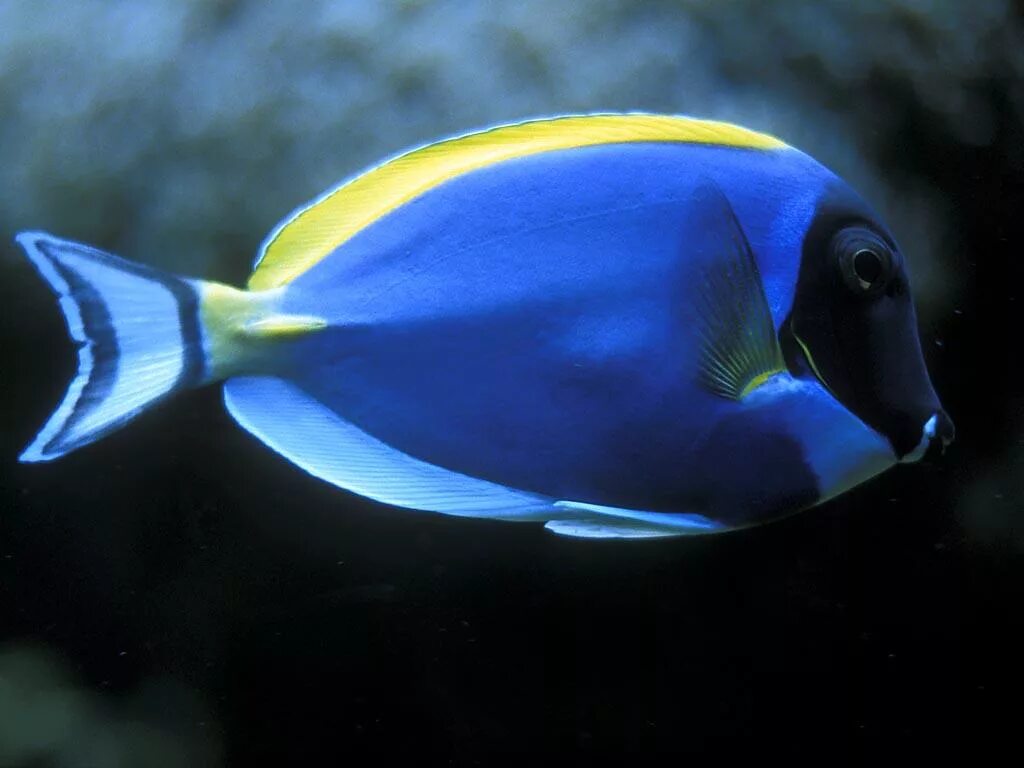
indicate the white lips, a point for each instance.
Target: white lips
{"x":927,"y":433}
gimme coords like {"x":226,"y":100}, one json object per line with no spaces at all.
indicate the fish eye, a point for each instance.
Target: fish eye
{"x":867,"y":266}
{"x":865,"y":261}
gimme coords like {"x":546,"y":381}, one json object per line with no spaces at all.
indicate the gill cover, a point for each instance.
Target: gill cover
{"x":853,"y":323}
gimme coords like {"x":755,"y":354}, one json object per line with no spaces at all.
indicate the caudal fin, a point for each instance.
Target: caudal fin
{"x":138,"y":335}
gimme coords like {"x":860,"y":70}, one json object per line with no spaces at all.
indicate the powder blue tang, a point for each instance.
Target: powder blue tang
{"x":622,"y":325}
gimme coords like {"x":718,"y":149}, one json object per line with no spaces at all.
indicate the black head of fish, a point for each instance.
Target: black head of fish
{"x":853,"y":326}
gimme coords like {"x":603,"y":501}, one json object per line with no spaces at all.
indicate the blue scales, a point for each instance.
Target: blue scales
{"x":620,"y":325}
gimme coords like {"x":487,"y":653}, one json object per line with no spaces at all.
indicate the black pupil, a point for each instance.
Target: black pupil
{"x":867,"y":265}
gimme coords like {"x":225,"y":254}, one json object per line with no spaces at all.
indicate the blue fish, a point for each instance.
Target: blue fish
{"x":621,"y":325}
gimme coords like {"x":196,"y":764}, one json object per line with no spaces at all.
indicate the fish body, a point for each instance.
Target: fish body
{"x":590,"y":321}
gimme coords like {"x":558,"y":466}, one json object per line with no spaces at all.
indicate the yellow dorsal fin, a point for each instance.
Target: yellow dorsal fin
{"x":311,"y":233}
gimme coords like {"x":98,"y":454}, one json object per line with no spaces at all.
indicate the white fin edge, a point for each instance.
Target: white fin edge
{"x":296,"y":425}
{"x":595,"y":521}
{"x":303,"y":430}
{"x":132,"y":347}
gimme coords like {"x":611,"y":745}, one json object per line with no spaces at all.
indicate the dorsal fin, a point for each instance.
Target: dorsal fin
{"x":309,"y":234}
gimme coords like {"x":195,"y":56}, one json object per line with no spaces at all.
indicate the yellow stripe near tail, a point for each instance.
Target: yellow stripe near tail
{"x":243,"y":329}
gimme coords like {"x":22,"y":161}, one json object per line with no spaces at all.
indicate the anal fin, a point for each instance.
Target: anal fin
{"x":308,"y":433}
{"x":302,"y":429}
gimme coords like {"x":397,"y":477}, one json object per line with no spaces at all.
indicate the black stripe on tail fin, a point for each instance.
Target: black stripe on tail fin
{"x":138,"y":337}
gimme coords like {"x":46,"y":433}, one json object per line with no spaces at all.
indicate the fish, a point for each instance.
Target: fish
{"x":620,"y":325}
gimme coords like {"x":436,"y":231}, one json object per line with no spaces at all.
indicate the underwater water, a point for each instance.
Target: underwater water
{"x":178,"y":595}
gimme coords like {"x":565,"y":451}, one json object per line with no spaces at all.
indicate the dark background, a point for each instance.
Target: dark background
{"x":176,"y":595}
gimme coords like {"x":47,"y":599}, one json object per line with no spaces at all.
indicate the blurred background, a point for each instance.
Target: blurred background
{"x":176,"y":595}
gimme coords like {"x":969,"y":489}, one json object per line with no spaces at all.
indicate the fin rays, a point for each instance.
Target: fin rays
{"x":137,"y":335}
{"x":296,"y":425}
{"x":739,"y":347}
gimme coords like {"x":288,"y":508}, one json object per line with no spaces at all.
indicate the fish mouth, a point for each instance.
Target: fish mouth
{"x":937,"y":434}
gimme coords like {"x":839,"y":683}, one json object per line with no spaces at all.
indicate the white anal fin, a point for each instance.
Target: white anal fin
{"x":305,"y":431}
{"x":308,"y":433}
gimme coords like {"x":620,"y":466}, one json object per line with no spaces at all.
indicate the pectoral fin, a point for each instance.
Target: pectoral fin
{"x":739,"y":347}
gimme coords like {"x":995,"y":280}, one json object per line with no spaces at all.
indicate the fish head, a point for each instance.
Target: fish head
{"x":852,"y":325}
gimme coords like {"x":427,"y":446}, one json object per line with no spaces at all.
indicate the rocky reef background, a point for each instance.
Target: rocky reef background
{"x":177,"y":596}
